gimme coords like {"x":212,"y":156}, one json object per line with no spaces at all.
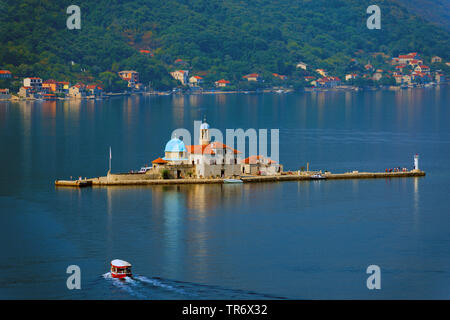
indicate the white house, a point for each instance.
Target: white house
{"x":195,"y":81}
{"x":35,"y":83}
{"x":181,"y":75}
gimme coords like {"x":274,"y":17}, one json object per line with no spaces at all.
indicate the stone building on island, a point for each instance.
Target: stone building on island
{"x":205,"y":160}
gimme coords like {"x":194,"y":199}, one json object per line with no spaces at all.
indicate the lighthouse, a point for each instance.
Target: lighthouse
{"x":416,"y":161}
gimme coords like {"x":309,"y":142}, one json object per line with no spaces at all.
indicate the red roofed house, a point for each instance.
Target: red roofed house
{"x":181,"y":75}
{"x":27,"y":92}
{"x":260,"y":165}
{"x":159,"y":162}
{"x":94,"y":90}
{"x":436,"y":59}
{"x":222,"y":83}
{"x":327,"y":82}
{"x":252,"y":77}
{"x":5,"y":74}
{"x":279,"y":76}
{"x":415,"y":62}
{"x":422,"y":68}
{"x":195,"y":81}
{"x":132,"y":77}
{"x":77,"y":91}
{"x":406,"y":58}
{"x":51,"y":85}
{"x":146,"y":52}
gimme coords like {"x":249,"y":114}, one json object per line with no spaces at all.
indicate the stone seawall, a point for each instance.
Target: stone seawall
{"x":104,"y":181}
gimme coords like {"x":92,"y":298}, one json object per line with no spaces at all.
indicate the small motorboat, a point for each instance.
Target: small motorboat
{"x":232,"y":181}
{"x":144,"y":169}
{"x":317,"y":176}
{"x":120,"y":269}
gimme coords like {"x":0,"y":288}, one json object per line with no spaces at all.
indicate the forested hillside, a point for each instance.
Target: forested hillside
{"x":217,"y":38}
{"x":436,"y":11}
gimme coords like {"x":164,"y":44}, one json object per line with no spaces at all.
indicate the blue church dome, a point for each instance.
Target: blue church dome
{"x":175,"y":145}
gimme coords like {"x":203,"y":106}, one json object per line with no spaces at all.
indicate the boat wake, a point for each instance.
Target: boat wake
{"x":141,"y":287}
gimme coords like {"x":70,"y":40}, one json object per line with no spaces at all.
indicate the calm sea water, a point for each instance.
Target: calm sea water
{"x":296,"y":240}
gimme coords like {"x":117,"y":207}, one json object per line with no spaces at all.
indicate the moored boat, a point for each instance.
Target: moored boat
{"x":232,"y":181}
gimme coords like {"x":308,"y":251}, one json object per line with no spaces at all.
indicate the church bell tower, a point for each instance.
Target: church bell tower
{"x":204,"y":133}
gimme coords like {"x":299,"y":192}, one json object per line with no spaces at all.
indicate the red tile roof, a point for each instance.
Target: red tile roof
{"x":251,"y":75}
{"x":5,"y":72}
{"x":159,"y":161}
{"x":256,"y":159}
{"x":209,"y":149}
{"x":223,"y":81}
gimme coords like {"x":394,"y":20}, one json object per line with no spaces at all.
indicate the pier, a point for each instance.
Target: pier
{"x":293,"y":176}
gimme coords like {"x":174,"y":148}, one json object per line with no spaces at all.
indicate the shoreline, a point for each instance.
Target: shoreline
{"x":209,"y":92}
{"x":104,"y":181}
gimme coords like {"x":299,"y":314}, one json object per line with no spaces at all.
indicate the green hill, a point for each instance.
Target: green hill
{"x":219,"y":39}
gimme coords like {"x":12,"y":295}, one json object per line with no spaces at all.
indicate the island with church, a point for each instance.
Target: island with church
{"x":215,"y":162}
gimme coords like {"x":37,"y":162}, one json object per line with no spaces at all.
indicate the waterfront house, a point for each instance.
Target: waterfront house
{"x":195,"y":81}
{"x":260,"y":165}
{"x":35,"y":83}
{"x":222,"y":83}
{"x":252,"y":77}
{"x":63,"y":86}
{"x":94,"y":90}
{"x":4,"y":94}
{"x":326,"y":82}
{"x":51,"y":85}
{"x":132,"y":77}
{"x":5,"y":74}
{"x":302,"y":65}
{"x":26,"y":92}
{"x":181,"y":75}
{"x":77,"y":91}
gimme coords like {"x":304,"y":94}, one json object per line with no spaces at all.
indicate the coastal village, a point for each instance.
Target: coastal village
{"x":404,"y":71}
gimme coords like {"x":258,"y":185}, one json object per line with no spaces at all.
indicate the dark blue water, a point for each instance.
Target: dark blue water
{"x":296,"y":240}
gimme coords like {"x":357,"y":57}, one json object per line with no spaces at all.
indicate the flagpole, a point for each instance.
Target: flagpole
{"x":110,"y":157}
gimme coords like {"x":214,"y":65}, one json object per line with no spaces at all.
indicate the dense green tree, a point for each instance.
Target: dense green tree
{"x":220,"y":39}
